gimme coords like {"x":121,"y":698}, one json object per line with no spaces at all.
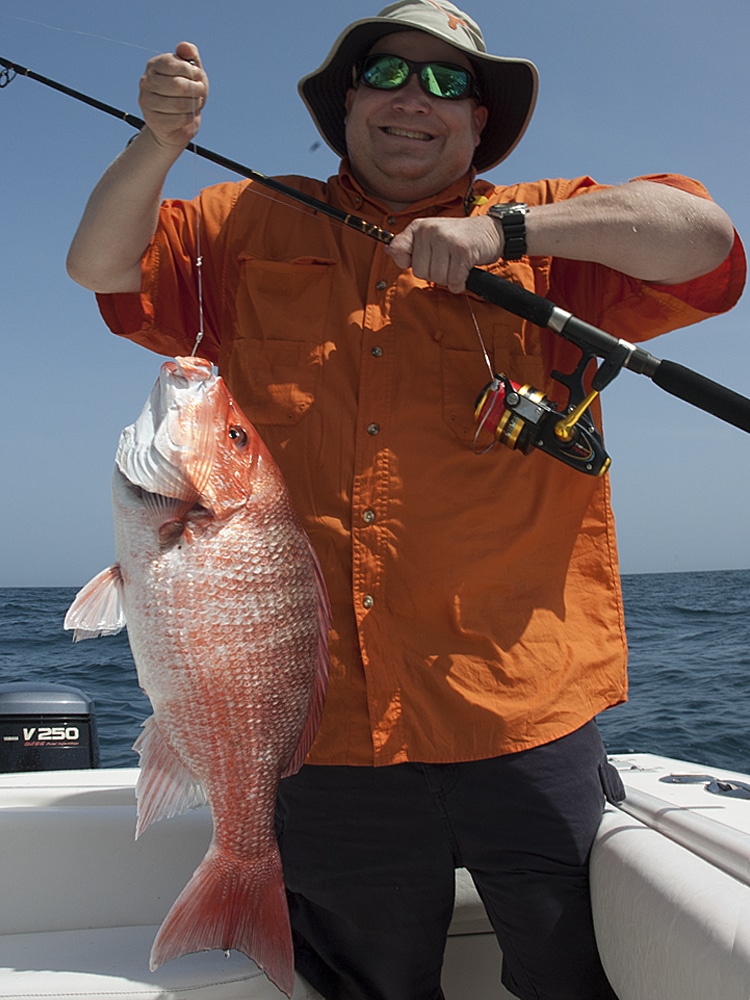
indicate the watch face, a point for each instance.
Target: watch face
{"x":516,"y":208}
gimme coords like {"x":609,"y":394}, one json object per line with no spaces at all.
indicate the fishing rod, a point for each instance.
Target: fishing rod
{"x":11,"y":70}
{"x":520,"y":417}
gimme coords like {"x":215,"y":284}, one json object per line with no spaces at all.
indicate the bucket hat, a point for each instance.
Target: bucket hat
{"x":508,"y":87}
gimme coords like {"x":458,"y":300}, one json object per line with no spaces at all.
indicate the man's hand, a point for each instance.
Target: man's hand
{"x":445,"y":250}
{"x":173,"y":91}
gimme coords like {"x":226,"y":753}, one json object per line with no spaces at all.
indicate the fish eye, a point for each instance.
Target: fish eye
{"x":238,"y":436}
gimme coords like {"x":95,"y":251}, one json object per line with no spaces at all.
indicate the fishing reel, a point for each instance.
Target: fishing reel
{"x":522,"y":417}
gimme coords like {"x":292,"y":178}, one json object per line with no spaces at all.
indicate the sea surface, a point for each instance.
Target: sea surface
{"x":689,"y":637}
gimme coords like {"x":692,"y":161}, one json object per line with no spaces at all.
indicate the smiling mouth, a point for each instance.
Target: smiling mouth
{"x":407,"y":133}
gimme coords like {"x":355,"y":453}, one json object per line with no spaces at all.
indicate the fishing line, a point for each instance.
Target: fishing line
{"x":481,"y":340}
{"x":490,"y":393}
{"x":198,"y":228}
{"x":75,"y":31}
{"x":199,"y":280}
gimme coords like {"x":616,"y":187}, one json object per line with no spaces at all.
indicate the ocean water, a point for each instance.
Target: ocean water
{"x":689,"y":637}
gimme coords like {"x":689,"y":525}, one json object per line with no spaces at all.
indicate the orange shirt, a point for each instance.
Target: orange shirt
{"x":476,"y":599}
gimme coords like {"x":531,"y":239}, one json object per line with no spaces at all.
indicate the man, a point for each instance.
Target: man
{"x":477,"y":621}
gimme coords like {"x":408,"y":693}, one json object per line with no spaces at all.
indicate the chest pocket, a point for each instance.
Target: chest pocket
{"x":464,"y":372}
{"x":279,"y":347}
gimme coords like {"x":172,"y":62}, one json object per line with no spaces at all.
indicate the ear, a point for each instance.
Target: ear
{"x":349,"y":99}
{"x":480,"y":114}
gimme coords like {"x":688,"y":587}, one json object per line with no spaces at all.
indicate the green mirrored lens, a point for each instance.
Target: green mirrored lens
{"x":445,"y":81}
{"x":386,"y":73}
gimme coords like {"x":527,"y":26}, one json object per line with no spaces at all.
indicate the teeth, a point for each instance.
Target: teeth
{"x":424,"y":136}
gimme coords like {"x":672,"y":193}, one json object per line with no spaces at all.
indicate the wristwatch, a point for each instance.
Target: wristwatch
{"x":512,"y":217}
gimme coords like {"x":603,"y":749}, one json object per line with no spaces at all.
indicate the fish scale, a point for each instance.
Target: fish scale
{"x":227,"y":618}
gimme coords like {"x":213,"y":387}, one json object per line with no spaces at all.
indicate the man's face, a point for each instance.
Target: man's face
{"x":403,"y":144}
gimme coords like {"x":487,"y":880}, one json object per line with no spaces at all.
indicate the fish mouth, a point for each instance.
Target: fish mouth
{"x":170,"y":449}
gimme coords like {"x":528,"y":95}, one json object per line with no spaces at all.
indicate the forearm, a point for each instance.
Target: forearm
{"x":122,"y":213}
{"x":643,"y":229}
{"x":120,"y":218}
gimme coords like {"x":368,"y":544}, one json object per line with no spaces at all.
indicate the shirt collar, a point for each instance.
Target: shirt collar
{"x":456,"y":199}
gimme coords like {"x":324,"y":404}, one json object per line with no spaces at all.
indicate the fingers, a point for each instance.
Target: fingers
{"x":442,"y":262}
{"x":401,"y":247}
{"x":444,"y":250}
{"x":188,"y":52}
{"x":173,"y":91}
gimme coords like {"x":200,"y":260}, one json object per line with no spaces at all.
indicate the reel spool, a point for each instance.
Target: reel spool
{"x":521,"y":418}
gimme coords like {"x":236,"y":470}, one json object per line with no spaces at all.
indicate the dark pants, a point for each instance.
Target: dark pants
{"x":369,"y":857}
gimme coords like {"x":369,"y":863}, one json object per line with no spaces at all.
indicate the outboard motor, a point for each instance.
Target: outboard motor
{"x":46,"y":727}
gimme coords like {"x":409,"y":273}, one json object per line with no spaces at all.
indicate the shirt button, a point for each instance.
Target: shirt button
{"x":391,"y":220}
{"x":373,"y":429}
{"x":368,"y":516}
{"x":381,"y":286}
{"x":377,"y":352}
{"x":368,"y":601}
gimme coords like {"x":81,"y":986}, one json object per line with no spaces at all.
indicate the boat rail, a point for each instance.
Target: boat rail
{"x":720,"y":845}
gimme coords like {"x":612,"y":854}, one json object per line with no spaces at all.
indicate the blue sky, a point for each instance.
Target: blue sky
{"x":646,"y":86}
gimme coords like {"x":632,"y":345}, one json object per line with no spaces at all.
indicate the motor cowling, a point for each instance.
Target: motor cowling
{"x":46,"y":727}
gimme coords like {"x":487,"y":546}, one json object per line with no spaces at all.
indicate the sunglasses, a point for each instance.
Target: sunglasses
{"x":437,"y":79}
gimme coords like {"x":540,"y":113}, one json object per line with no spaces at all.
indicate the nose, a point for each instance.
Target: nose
{"x":411,"y":97}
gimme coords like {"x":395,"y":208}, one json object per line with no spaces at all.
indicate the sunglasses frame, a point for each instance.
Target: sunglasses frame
{"x":415,"y":69}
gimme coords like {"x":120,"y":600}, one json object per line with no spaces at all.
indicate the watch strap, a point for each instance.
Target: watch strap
{"x":512,"y":217}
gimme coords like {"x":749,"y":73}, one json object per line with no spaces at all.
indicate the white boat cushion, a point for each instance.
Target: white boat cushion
{"x":670,"y":926}
{"x":112,"y":962}
{"x":469,"y":914}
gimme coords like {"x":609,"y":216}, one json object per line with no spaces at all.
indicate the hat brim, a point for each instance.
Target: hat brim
{"x":508,"y":90}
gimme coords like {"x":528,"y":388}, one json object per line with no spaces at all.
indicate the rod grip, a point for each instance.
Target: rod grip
{"x":510,"y":296}
{"x":693,"y":388}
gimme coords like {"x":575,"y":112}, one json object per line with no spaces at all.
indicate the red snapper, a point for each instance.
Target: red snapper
{"x":227,"y":618}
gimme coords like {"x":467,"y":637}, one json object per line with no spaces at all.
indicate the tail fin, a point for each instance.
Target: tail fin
{"x":228,"y":905}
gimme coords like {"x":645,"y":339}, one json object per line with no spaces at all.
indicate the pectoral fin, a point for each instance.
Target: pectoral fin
{"x":97,"y":608}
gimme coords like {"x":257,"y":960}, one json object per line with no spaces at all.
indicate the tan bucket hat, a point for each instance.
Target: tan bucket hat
{"x":508,"y":87}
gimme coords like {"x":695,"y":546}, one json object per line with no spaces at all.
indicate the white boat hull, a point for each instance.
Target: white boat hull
{"x":670,"y":884}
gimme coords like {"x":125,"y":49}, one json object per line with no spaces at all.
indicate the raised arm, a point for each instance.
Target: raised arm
{"x":121,"y":215}
{"x":644,"y":229}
